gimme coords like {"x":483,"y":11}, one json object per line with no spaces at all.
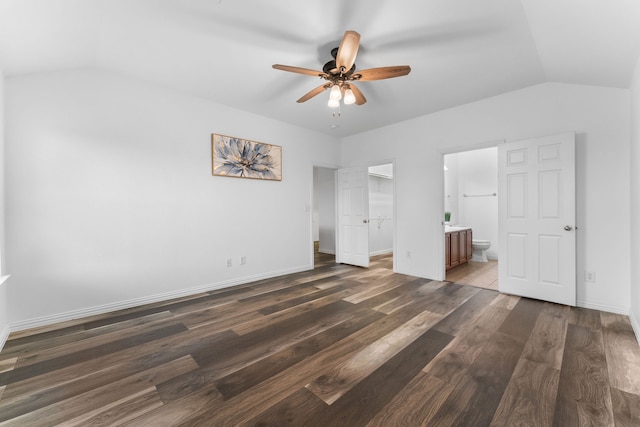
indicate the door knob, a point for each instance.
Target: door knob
{"x":365,"y":221}
{"x":568,"y":227}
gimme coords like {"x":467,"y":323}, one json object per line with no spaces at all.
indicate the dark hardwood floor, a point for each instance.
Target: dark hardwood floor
{"x":337,"y":346}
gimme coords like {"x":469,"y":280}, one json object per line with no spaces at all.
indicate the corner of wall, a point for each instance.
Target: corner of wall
{"x":4,"y":334}
{"x":4,"y":304}
{"x":634,"y":187}
{"x":2,"y":177}
{"x":635,"y":324}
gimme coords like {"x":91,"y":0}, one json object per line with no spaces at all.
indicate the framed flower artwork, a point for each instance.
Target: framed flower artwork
{"x":242,"y":158}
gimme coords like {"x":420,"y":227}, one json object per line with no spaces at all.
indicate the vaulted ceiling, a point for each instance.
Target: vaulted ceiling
{"x":459,"y":50}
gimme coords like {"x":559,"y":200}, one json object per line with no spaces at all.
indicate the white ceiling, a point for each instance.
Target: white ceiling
{"x":459,"y":50}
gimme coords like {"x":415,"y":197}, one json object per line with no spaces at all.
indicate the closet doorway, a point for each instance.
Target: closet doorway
{"x":323,"y":223}
{"x":379,"y":211}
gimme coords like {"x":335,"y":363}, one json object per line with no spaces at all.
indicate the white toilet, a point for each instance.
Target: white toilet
{"x":480,"y":250}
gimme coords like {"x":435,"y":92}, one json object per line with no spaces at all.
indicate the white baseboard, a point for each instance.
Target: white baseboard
{"x":6,"y":329}
{"x":327,"y":251}
{"x":106,"y":308}
{"x":381,"y":252}
{"x":4,"y":334}
{"x":635,"y":324}
{"x":602,"y":307}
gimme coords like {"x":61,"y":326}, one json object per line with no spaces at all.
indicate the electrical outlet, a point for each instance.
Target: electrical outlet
{"x":589,"y":276}
{"x":409,"y":254}
{"x":243,"y":260}
{"x":229,"y":263}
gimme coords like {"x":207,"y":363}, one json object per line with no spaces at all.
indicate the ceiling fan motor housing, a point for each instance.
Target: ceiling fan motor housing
{"x":331,"y":68}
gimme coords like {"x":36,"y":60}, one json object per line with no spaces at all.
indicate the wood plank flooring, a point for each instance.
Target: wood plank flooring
{"x":337,"y":346}
{"x":480,"y":274}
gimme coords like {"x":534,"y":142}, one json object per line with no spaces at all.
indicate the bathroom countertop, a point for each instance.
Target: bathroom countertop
{"x":451,"y":228}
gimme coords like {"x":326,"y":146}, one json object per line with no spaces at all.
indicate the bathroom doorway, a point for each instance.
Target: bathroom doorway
{"x":471,"y":200}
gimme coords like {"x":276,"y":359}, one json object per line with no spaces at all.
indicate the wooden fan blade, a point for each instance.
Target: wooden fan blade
{"x":307,"y":96}
{"x":360,"y":99}
{"x":347,"y":51}
{"x":381,"y":73}
{"x":299,"y":70}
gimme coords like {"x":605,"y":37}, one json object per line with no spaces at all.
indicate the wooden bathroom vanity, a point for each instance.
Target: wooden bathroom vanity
{"x":457,"y":247}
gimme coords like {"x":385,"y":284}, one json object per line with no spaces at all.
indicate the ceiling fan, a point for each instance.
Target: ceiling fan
{"x":341,"y":73}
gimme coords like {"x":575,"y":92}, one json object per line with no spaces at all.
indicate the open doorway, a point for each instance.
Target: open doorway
{"x":370,"y":199}
{"x":381,"y":214}
{"x":324,"y":216}
{"x":471,"y":202}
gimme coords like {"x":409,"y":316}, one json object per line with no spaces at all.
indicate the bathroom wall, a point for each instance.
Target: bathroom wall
{"x":380,"y":215}
{"x":478,"y":176}
{"x":451,"y":187}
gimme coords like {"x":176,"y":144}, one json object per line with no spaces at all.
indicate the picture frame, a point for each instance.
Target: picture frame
{"x":242,"y":158}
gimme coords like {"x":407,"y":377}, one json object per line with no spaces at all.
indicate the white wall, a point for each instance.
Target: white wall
{"x":4,"y":303}
{"x":315,"y":225}
{"x":451,"y":196}
{"x":634,"y":164}
{"x":601,"y":119}
{"x":2,"y":178}
{"x":380,"y":215}
{"x":111,"y":202}
{"x":325,"y":204}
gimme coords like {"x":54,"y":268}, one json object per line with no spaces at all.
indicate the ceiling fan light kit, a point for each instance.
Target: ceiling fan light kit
{"x":336,"y":92}
{"x":349,"y":97}
{"x":341,"y":73}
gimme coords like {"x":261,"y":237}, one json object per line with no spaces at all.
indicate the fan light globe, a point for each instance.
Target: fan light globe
{"x":335,"y":93}
{"x":334,"y":103}
{"x":349,"y":97}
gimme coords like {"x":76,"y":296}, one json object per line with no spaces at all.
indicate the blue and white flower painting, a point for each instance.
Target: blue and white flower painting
{"x":242,"y":158}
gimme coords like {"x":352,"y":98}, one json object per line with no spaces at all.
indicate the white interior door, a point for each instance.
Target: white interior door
{"x":536,"y":184}
{"x":352,"y":205}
